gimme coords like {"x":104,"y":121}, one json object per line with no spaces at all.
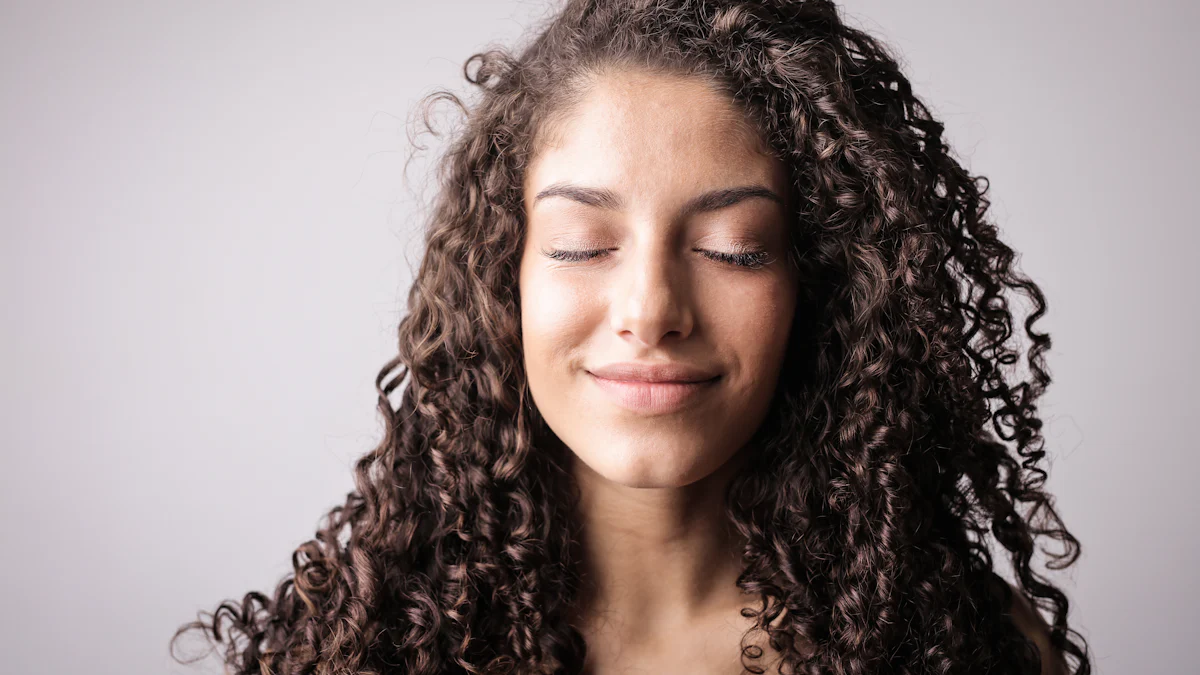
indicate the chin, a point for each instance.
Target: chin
{"x":641,"y":466}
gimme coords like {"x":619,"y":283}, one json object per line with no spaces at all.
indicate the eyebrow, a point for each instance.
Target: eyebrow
{"x":709,"y":201}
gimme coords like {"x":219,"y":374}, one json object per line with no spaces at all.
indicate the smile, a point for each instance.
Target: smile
{"x":652,"y":397}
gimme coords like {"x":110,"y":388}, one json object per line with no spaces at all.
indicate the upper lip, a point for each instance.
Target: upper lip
{"x":633,"y":371}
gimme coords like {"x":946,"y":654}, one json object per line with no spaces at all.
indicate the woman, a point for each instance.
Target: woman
{"x":705,"y":371}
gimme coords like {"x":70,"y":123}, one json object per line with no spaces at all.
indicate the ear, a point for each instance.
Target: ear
{"x":1030,"y":622}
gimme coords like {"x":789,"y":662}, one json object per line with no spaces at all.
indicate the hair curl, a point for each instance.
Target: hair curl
{"x":875,"y":488}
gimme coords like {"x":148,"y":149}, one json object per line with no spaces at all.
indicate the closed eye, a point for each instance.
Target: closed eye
{"x":752,"y":259}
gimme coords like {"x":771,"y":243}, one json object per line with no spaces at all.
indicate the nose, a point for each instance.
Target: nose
{"x":651,"y":299}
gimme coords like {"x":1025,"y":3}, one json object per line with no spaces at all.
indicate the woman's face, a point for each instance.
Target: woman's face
{"x":656,"y":236}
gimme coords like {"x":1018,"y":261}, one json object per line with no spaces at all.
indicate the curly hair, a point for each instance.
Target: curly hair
{"x":903,"y":449}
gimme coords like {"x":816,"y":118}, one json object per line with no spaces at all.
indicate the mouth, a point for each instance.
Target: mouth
{"x":653,"y":398}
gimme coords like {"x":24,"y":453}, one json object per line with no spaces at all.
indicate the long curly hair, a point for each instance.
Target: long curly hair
{"x":903,"y":449}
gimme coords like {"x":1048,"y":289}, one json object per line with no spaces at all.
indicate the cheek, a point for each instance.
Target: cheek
{"x":752,"y":321}
{"x":556,"y":317}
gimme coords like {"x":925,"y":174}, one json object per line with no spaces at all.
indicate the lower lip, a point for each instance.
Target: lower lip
{"x":652,"y":397}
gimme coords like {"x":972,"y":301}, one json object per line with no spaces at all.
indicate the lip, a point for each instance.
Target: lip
{"x":653,"y":398}
{"x":652,"y":388}
{"x":633,"y":371}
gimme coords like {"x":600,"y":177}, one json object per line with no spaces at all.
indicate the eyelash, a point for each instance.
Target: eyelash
{"x":748,"y":259}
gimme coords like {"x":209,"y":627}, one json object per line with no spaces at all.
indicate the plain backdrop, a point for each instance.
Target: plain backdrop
{"x":208,"y":238}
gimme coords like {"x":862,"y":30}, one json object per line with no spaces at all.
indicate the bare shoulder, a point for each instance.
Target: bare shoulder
{"x":1033,"y":625}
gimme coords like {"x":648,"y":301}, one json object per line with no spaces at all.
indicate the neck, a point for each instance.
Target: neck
{"x":657,"y":560}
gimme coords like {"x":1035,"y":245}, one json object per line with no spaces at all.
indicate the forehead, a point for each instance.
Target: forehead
{"x":646,"y":132}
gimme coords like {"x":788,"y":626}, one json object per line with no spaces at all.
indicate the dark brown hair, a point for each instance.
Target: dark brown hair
{"x":902,"y":449}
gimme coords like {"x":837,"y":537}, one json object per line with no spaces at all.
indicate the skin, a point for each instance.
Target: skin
{"x":652,"y":483}
{"x":1030,"y":622}
{"x":661,"y":562}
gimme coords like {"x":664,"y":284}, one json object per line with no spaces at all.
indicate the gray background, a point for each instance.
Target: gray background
{"x":207,"y":240}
